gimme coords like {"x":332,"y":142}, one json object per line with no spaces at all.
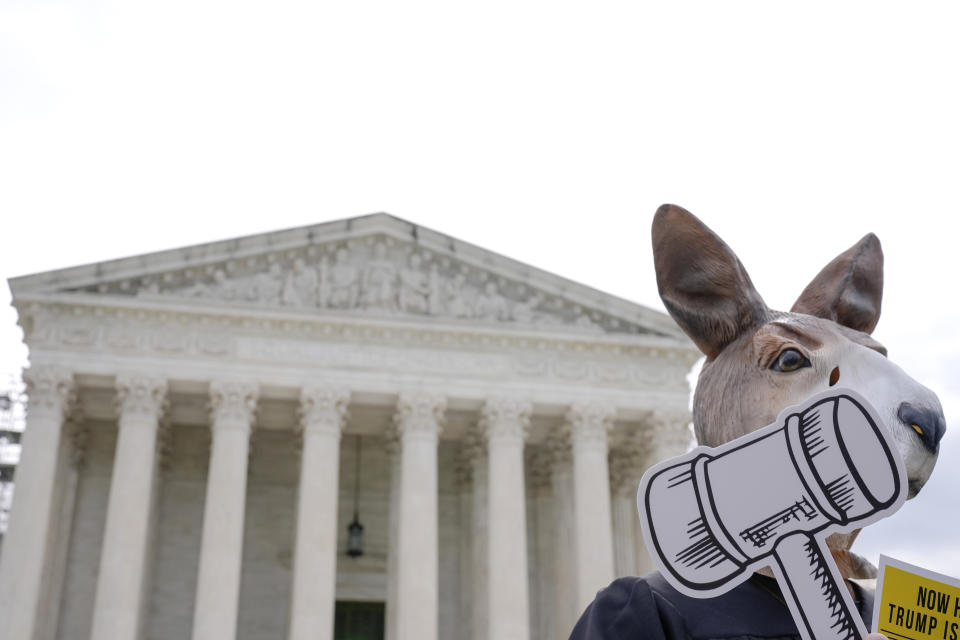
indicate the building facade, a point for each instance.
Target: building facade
{"x":204,"y":424}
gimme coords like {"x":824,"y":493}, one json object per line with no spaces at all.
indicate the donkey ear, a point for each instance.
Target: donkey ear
{"x":701,"y":281}
{"x":849,"y":289}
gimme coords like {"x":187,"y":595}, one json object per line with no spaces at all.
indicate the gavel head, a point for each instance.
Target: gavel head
{"x":714,"y":514}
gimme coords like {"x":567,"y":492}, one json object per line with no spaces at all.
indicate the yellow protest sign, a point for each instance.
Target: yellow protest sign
{"x":915,"y":604}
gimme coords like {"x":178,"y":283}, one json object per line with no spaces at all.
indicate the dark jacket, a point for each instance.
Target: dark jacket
{"x":649,"y":608}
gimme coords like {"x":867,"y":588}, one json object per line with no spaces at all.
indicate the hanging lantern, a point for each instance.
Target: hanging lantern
{"x":355,"y":529}
{"x":355,"y":541}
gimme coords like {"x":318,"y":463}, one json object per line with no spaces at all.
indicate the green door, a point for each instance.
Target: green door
{"x":358,"y":621}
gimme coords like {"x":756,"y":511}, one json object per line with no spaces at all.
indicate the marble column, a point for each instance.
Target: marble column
{"x":392,"y":442}
{"x":72,"y":462}
{"x":625,"y":475}
{"x":564,"y":547}
{"x":323,"y":413}
{"x":666,"y":434}
{"x":419,"y":419}
{"x":505,"y":422}
{"x":119,"y":599}
{"x":464,"y":473}
{"x":642,"y":555}
{"x":545,"y":560}
{"x":589,"y":424}
{"x":232,"y":406}
{"x":669,"y":435}
{"x":480,"y":558}
{"x":26,"y":548}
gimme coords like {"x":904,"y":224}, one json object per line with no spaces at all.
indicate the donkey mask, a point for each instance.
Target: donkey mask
{"x":760,"y":361}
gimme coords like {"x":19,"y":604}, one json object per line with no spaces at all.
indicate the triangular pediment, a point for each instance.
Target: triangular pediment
{"x":378,"y":266}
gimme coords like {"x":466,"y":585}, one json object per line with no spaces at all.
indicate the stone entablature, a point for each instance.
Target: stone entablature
{"x":137,"y":329}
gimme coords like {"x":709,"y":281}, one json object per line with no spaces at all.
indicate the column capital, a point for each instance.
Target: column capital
{"x":79,"y":434}
{"x":165,"y":442}
{"x":666,"y":430}
{"x":472,"y":454}
{"x":590,"y":422}
{"x":50,"y":390}
{"x":540,"y":467}
{"x":141,"y":395}
{"x":420,"y":414}
{"x":463,"y":466}
{"x":475,"y":445}
{"x":323,"y":409}
{"x":233,"y":404}
{"x":391,"y":438}
{"x":626,"y":467}
{"x":505,"y":417}
{"x":559,"y":452}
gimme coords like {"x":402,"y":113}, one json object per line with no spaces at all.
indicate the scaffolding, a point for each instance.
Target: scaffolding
{"x":12,"y":422}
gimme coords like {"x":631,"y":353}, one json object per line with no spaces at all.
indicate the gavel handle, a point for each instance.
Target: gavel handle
{"x":815,"y":590}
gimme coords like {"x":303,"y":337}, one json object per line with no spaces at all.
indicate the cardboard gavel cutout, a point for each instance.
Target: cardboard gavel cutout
{"x":715,"y":515}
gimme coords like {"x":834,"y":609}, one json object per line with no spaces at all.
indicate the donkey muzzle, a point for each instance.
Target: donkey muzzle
{"x":928,"y":423}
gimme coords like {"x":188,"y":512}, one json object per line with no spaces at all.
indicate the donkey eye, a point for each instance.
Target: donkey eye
{"x":790,"y":360}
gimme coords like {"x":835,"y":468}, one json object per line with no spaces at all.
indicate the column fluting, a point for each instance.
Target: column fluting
{"x":419,"y":420}
{"x":589,"y":425}
{"x":232,"y":407}
{"x":504,"y":423}
{"x":118,"y":603}
{"x":51,"y":393}
{"x":323,"y":414}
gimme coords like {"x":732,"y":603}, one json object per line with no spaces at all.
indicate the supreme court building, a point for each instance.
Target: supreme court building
{"x":205,"y":423}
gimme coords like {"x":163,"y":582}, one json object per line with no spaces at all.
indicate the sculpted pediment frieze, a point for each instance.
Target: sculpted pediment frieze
{"x":377,"y":276}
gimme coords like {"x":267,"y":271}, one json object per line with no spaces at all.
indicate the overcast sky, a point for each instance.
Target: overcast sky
{"x":549,"y":132}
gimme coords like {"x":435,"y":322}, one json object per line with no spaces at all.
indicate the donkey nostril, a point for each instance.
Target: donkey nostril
{"x":928,"y":423}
